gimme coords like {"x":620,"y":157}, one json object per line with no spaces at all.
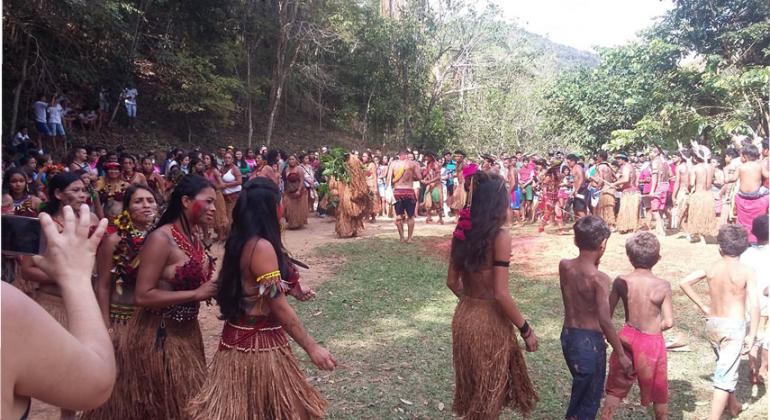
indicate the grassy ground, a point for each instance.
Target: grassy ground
{"x":387,"y":319}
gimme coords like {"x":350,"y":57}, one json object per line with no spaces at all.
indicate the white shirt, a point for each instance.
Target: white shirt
{"x":756,"y":257}
{"x":130,"y":95}
{"x":54,"y":114}
{"x":20,"y":138}
{"x":40,"y":111}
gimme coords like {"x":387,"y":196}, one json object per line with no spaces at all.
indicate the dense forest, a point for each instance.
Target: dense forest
{"x":432,"y":74}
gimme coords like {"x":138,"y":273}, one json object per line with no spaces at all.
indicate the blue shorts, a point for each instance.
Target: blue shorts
{"x":726,"y":337}
{"x":585,"y":352}
{"x":42,"y":128}
{"x":516,"y":199}
{"x":56,"y":129}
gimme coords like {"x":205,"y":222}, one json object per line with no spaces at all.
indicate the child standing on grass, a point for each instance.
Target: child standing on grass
{"x":732,"y":286}
{"x":585,"y":294}
{"x":647,"y":303}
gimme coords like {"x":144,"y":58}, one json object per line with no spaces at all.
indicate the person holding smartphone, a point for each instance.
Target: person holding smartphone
{"x":41,"y":359}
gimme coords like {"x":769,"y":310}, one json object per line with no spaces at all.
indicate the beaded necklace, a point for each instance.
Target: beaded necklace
{"x":125,"y":258}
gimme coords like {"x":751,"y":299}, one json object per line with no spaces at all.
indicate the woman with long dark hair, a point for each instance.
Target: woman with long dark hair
{"x":111,"y":188}
{"x":221,"y":218}
{"x":17,"y":185}
{"x":232,"y":183}
{"x":254,"y":374}
{"x":154,"y":180}
{"x":117,"y":261}
{"x":174,"y":276}
{"x":490,"y":372}
{"x":64,"y":189}
{"x":295,"y":195}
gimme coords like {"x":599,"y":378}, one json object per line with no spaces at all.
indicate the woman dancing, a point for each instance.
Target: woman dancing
{"x":295,"y":195}
{"x":117,"y":260}
{"x":254,"y":374}
{"x":175,"y":275}
{"x":221,"y":217}
{"x":490,"y":372}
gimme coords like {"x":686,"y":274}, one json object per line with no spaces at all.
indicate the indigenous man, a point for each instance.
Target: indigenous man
{"x":751,"y":200}
{"x":513,"y":182}
{"x":526,"y":180}
{"x":458,"y":195}
{"x":580,"y":196}
{"x":603,"y":179}
{"x":701,"y":217}
{"x":434,"y":191}
{"x":681,"y":187}
{"x":401,"y":176}
{"x":630,"y":199}
{"x":727,"y":193}
{"x":659,"y":187}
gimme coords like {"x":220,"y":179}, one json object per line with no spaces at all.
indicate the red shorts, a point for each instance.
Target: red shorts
{"x":648,"y":355}
{"x":659,"y":197}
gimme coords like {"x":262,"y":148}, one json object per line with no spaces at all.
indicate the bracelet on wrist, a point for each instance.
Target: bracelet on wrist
{"x":524,"y":329}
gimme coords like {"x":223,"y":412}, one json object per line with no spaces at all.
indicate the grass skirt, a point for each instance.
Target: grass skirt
{"x":605,"y":208}
{"x":54,"y":305}
{"x":295,"y":209}
{"x":255,"y":385}
{"x":173,"y":367}
{"x":458,"y":198}
{"x":490,"y":371}
{"x":221,"y":217}
{"x":701,"y":218}
{"x":628,"y":216}
{"x":125,"y":401}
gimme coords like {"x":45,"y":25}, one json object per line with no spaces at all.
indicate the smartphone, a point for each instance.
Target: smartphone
{"x":22,"y":235}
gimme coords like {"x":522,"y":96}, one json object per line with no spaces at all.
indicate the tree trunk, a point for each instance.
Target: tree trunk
{"x":366,"y":116}
{"x":20,"y":86}
{"x":250,"y":107}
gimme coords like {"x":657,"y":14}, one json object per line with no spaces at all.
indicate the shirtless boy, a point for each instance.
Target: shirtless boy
{"x":659,"y":187}
{"x":585,"y":294}
{"x":730,"y":283}
{"x":647,"y":303}
{"x":402,"y":175}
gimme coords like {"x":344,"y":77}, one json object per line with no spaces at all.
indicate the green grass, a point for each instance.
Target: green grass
{"x":386,"y":316}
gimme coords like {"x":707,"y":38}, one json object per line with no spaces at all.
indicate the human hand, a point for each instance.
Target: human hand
{"x":530,"y":341}
{"x":748,"y":343}
{"x":70,"y":255}
{"x":626,"y":364}
{"x":322,"y":358}
{"x":301,"y":294}
{"x":206,"y":290}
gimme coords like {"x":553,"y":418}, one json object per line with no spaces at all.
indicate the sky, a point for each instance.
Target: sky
{"x":584,"y":24}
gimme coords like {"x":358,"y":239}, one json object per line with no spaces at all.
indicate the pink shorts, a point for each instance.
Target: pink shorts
{"x":648,"y":355}
{"x":659,"y":198}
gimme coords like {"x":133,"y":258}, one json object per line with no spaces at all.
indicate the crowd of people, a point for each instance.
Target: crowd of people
{"x":160,"y":213}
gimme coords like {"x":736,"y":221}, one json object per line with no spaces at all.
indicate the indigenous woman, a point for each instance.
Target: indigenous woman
{"x":310,"y":182}
{"x":254,"y":374}
{"x":221,"y":218}
{"x":434,"y":191}
{"x":295,"y":195}
{"x":92,"y":197}
{"x":111,"y":188}
{"x":18,"y":187}
{"x":174,"y":276}
{"x":370,"y":170}
{"x":154,"y":180}
{"x":382,"y":174}
{"x":232,"y":184}
{"x":117,"y":262}
{"x":549,"y":199}
{"x":64,"y":189}
{"x":128,"y":167}
{"x":241,"y":164}
{"x":490,"y":372}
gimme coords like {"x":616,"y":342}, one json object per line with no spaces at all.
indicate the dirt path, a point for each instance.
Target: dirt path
{"x":302,"y":245}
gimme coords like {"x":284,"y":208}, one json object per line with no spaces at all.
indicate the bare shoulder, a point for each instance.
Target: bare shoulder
{"x":503,"y":237}
{"x":599,"y":277}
